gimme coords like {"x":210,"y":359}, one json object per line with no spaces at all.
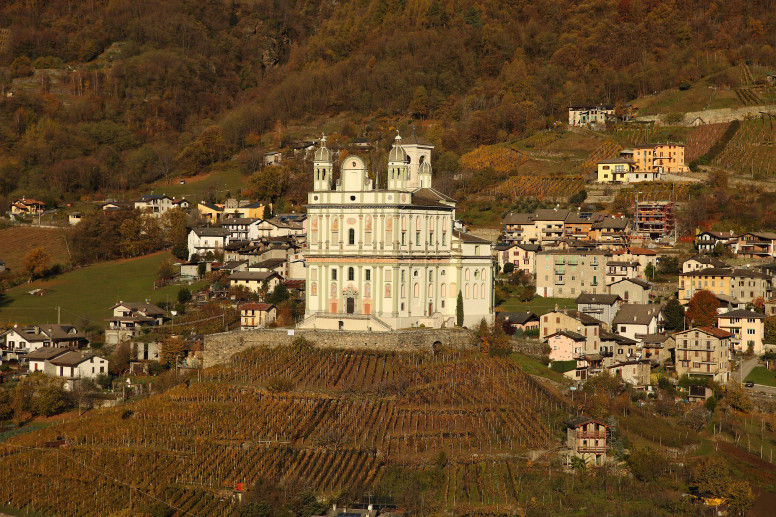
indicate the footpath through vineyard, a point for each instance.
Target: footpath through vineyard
{"x":348,"y":415}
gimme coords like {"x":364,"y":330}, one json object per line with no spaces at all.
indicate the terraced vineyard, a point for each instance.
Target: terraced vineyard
{"x":350,"y":414}
{"x":635,"y":134}
{"x":609,"y":149}
{"x":542,"y":187}
{"x":701,"y":139}
{"x":752,"y":150}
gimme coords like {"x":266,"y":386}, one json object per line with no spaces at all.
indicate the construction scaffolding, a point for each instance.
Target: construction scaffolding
{"x":655,"y":219}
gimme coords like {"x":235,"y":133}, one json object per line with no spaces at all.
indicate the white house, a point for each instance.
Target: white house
{"x":253,"y":280}
{"x":636,"y":320}
{"x":154,"y":204}
{"x":70,"y":364}
{"x":129,"y":318}
{"x":202,"y":240}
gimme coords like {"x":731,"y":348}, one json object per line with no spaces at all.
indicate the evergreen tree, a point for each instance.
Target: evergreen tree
{"x":674,"y":314}
{"x":459,"y":310}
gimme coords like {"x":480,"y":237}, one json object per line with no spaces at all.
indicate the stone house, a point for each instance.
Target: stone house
{"x":586,"y":439}
{"x":636,"y":372}
{"x":631,"y":290}
{"x":522,"y":256}
{"x":657,"y":347}
{"x":617,"y":270}
{"x":257,"y":315}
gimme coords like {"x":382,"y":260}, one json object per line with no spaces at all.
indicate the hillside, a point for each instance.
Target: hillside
{"x":85,"y":294}
{"x":336,"y":421}
{"x":116,"y":97}
{"x":16,"y":242}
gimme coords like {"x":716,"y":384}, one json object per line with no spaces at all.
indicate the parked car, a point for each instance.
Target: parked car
{"x":749,"y":384}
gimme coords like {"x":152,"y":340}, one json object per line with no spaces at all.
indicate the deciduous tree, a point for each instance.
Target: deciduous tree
{"x":35,"y":263}
{"x":702,"y":309}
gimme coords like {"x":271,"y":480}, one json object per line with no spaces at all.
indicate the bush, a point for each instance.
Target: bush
{"x":563,"y":366}
{"x":509,"y":268}
{"x":280,"y":383}
{"x":684,"y":85}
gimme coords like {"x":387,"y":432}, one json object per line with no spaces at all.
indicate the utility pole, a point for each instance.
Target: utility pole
{"x":59,"y":315}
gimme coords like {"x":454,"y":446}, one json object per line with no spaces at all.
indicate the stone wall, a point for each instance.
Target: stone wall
{"x":527,"y":347}
{"x":220,"y":348}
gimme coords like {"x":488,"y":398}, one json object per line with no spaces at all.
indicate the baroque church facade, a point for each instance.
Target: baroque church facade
{"x":389,"y":259}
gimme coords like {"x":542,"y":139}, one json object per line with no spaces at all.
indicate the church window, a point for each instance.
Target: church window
{"x":466,"y":291}
{"x":368,"y":275}
{"x":351,"y":236}
{"x":314,"y":289}
{"x":403,"y":238}
{"x":430,"y":290}
{"x":443,"y":290}
{"x":402,"y":275}
{"x":417,"y":238}
{"x":444,"y":238}
{"x":387,"y":290}
{"x":467,"y":273}
{"x":351,"y":273}
{"x":430,"y":276}
{"x":416,"y":290}
{"x":431,"y":238}
{"x":333,"y":274}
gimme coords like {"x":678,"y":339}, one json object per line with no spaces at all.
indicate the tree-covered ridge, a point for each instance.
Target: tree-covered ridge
{"x":144,"y":90}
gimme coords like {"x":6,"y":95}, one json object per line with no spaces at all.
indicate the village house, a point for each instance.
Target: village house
{"x":703,"y":351}
{"x":181,"y":203}
{"x":756,"y":245}
{"x":586,"y":439}
{"x":579,"y":225}
{"x":601,"y":306}
{"x":210,"y":213}
{"x":26,"y":206}
{"x":257,"y":315}
{"x":574,"y":321}
{"x":590,"y":115}
{"x":519,"y":320}
{"x":254,"y":280}
{"x":568,"y":273}
{"x":129,"y":318}
{"x":16,"y":342}
{"x":114,"y":206}
{"x":705,"y":242}
{"x":745,"y":285}
{"x":631,"y":290}
{"x":273,"y":158}
{"x":658,"y":158}
{"x":519,"y":228}
{"x":154,"y":204}
{"x":565,"y":345}
{"x":747,"y":329}
{"x":617,"y":348}
{"x":699,"y":262}
{"x":637,"y":320}
{"x":636,"y":372}
{"x":240,"y":228}
{"x":611,"y":231}
{"x":522,"y":256}
{"x":203,"y":240}
{"x":74,"y":218}
{"x":657,"y":347}
{"x":617,"y":270}
{"x":69,"y":364}
{"x":615,"y":170}
{"x":642,"y":256}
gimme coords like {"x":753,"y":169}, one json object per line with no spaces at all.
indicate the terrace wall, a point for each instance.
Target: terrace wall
{"x":219,"y":348}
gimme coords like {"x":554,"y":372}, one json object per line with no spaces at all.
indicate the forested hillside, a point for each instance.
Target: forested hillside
{"x":110,"y":96}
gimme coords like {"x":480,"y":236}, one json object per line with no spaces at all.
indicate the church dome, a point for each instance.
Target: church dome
{"x":322,"y":154}
{"x":397,"y":153}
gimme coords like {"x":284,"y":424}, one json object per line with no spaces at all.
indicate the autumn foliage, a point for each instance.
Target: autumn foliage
{"x":702,"y":309}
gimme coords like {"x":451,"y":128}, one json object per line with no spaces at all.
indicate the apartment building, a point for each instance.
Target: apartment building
{"x":743,"y":284}
{"x":574,"y":321}
{"x":589,"y":115}
{"x":756,"y":245}
{"x":747,"y":329}
{"x":569,"y":273}
{"x":703,"y":351}
{"x":660,"y":158}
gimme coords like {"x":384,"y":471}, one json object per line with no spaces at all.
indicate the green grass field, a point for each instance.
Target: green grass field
{"x":539,"y":305}
{"x":227,"y":178}
{"x":533,"y":367}
{"x":85,"y":295}
{"x":761,"y":375}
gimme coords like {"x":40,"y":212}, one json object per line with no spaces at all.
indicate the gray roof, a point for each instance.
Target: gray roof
{"x":519,"y":318}
{"x":580,"y":420}
{"x":551,"y":214}
{"x":239,"y":220}
{"x":598,"y":299}
{"x":430,"y":197}
{"x":612,"y":223}
{"x":726,"y":272}
{"x":520,"y":218}
{"x":705,"y":259}
{"x":637,"y":281}
{"x":468,"y":237}
{"x":623,"y":340}
{"x":252,"y":275}
{"x":741,"y":313}
{"x":45,"y":353}
{"x":581,"y":316}
{"x":211,"y":232}
{"x":654,"y":339}
{"x":637,"y":313}
{"x":71,"y":358}
{"x":148,"y":309}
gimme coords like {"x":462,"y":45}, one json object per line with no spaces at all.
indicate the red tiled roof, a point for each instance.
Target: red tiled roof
{"x":716,"y":332}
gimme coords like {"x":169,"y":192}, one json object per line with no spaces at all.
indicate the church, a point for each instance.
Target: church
{"x":390,"y":259}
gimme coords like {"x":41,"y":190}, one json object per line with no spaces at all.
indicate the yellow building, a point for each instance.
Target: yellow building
{"x":747,"y":327}
{"x":211,"y":213}
{"x":615,"y":170}
{"x":742,"y":284}
{"x":660,"y":158}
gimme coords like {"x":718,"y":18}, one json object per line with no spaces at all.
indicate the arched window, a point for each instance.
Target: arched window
{"x":351,"y":273}
{"x":466,"y":292}
{"x":467,"y":274}
{"x":443,"y":290}
{"x":482,"y":290}
{"x":333,"y":274}
{"x":416,"y":290}
{"x":430,"y":290}
{"x":351,"y":236}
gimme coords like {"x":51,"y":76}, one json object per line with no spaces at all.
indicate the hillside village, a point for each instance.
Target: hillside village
{"x":387,"y":258}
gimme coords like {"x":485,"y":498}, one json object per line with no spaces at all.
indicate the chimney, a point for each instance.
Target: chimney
{"x":556,"y":307}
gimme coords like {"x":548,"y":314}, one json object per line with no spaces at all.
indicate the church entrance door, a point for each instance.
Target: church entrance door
{"x":351,"y":305}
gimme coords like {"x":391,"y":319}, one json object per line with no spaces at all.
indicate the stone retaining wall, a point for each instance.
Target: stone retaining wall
{"x":219,"y":348}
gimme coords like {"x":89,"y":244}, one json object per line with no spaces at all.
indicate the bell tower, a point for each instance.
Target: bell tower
{"x":323,"y":167}
{"x":398,"y":167}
